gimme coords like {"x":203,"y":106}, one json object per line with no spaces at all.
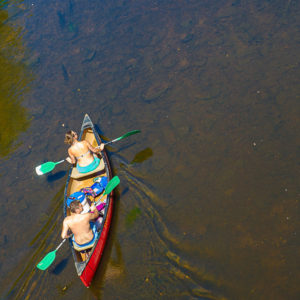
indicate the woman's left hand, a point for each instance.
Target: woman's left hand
{"x":68,"y":159}
{"x":101,"y":147}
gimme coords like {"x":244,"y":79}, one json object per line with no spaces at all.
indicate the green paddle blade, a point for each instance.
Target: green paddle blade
{"x":127,"y":134}
{"x":46,"y":261}
{"x":49,"y":258}
{"x":47,"y":167}
{"x":111,"y":185}
{"x":123,"y":136}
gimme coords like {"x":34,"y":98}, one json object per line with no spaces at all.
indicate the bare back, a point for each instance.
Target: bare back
{"x":82,"y":152}
{"x":79,"y":224}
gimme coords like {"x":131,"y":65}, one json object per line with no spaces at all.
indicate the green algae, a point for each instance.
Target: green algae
{"x":14,"y":83}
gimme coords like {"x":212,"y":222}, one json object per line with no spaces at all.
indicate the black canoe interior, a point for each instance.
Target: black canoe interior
{"x":73,"y":185}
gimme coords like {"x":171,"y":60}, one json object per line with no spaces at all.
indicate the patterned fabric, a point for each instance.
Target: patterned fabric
{"x":91,"y":167}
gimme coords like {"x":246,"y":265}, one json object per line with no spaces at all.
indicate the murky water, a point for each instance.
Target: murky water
{"x":208,"y":202}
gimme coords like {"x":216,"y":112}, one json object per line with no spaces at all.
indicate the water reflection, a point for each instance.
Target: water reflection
{"x":112,"y":269}
{"x":14,"y":83}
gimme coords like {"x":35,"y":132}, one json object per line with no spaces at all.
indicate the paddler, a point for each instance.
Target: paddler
{"x":84,"y":235}
{"x":82,"y":152}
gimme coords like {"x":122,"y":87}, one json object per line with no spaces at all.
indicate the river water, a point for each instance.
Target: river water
{"x":208,"y":205}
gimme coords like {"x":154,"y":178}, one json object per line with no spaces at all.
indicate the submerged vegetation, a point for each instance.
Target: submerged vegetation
{"x":14,"y":80}
{"x":132,"y":216}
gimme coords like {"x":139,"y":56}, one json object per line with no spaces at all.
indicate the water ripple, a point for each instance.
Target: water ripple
{"x":30,"y":284}
{"x":162,"y":240}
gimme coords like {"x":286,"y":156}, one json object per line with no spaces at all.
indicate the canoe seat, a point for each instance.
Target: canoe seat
{"x":76,"y":175}
{"x":80,"y":249}
{"x":89,"y":244}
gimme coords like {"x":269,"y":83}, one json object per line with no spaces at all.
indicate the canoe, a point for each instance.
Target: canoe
{"x":86,"y":263}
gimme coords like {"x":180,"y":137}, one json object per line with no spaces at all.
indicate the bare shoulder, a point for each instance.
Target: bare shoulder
{"x":67,"y":219}
{"x":78,"y":217}
{"x":86,"y":216}
{"x":66,"y":222}
{"x":70,"y":150}
{"x":87,"y":143}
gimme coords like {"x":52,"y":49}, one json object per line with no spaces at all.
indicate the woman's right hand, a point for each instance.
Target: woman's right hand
{"x":101,"y":147}
{"x":93,"y":207}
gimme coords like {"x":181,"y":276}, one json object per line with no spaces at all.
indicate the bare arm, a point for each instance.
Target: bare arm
{"x":65,"y":230}
{"x":93,"y":149}
{"x":94,"y":213}
{"x":71,"y":159}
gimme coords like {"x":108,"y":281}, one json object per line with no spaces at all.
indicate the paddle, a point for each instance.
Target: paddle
{"x":49,"y":258}
{"x":123,"y":136}
{"x":50,"y":165}
{"x":110,"y":186}
{"x":47,"y":167}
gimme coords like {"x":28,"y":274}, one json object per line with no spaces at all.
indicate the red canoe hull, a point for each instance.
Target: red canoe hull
{"x":89,"y":271}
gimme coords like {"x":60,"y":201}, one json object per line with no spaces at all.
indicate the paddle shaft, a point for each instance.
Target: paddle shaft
{"x":123,"y":136}
{"x":98,"y":202}
{"x":49,"y":166}
{"x":60,"y":244}
{"x":110,"y":142}
{"x":49,"y":258}
{"x":110,"y":186}
{"x":61,"y":161}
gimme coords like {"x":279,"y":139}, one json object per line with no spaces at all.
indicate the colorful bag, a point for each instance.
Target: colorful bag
{"x":96,"y":189}
{"x":76,"y":196}
{"x":82,"y":198}
{"x":88,"y":191}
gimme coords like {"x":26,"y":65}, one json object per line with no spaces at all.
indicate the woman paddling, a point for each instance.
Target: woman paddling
{"x":82,"y":152}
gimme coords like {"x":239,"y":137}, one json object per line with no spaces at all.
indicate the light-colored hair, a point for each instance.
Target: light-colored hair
{"x":74,"y":205}
{"x":69,"y":137}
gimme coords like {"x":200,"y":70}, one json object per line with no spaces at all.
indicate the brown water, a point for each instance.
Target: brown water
{"x":208,"y":202}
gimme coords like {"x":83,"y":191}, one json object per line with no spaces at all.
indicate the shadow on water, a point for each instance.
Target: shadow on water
{"x":122,"y":147}
{"x":124,"y":192}
{"x":117,"y":146}
{"x":56,"y":176}
{"x":15,"y":79}
{"x":142,"y":156}
{"x":103,"y":138}
{"x":60,"y":266}
{"x":111,"y":266}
